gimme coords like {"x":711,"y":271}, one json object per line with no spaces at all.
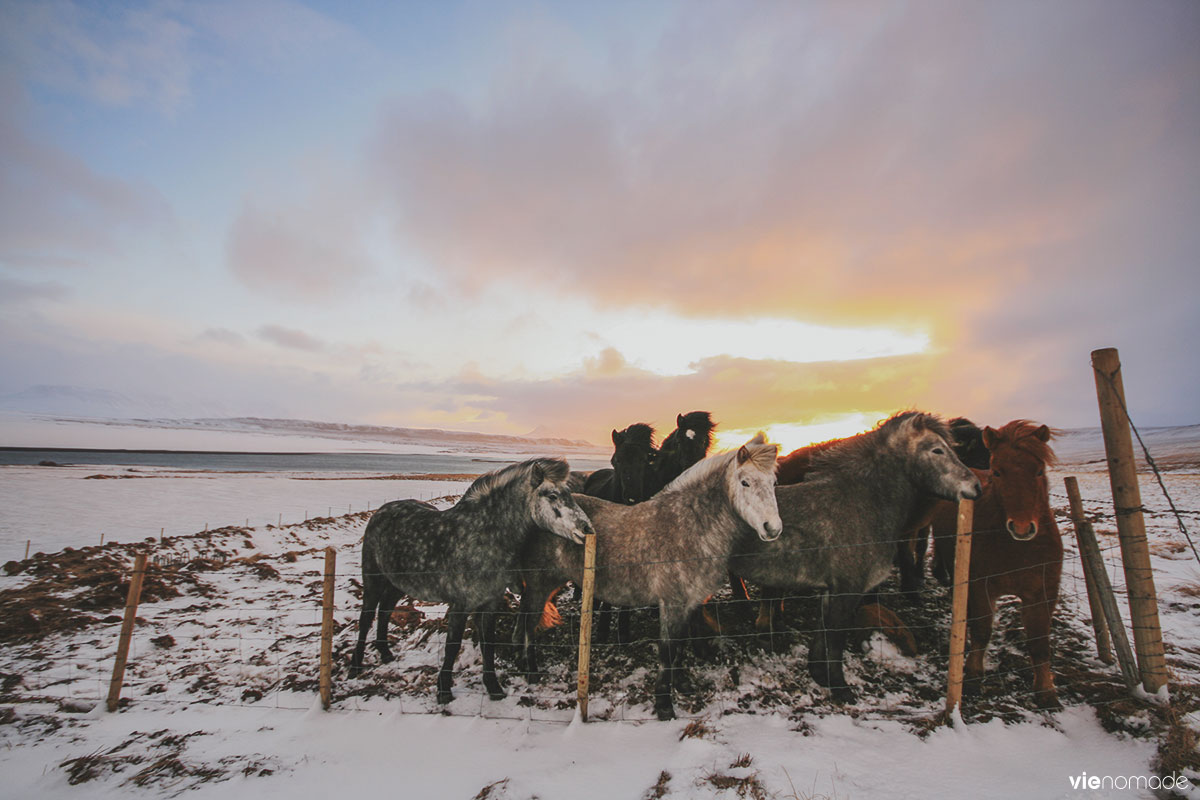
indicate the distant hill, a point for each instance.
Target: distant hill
{"x":381,"y":433}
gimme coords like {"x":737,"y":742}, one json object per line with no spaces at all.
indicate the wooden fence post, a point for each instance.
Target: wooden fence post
{"x":958,"y":624}
{"x":131,"y":604}
{"x":1131,"y":526}
{"x":1099,"y":623}
{"x":1093,"y":563}
{"x":585,"y":622}
{"x":327,"y":629}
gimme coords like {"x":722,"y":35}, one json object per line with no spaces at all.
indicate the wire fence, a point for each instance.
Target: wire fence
{"x":208,"y":646}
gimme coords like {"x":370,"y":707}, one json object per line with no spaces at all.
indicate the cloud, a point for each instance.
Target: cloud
{"x":815,"y":162}
{"x":222,"y":336}
{"x":290,"y":338}
{"x":57,"y":211}
{"x":153,"y":54}
{"x":115,"y":57}
{"x":18,"y":292}
{"x":299,"y":254}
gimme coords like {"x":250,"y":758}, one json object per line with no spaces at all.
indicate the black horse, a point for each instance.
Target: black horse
{"x":688,"y":444}
{"x":628,"y":481}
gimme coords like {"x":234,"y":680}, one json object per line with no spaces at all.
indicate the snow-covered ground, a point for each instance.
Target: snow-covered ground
{"x":222,"y":683}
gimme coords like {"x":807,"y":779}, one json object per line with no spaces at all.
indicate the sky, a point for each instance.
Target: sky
{"x":569,"y":217}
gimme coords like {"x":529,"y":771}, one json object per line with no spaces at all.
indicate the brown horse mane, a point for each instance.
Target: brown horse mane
{"x":1020,"y":434}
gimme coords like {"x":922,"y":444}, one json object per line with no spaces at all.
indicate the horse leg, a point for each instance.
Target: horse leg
{"x":387,"y":603}
{"x":825,"y":656}
{"x":912,"y":569}
{"x":365,"y":618}
{"x":523,"y":632}
{"x":376,"y":591}
{"x":770,"y":617}
{"x":603,"y":615}
{"x":1036,"y":612}
{"x":456,"y":622}
{"x":670,"y":650}
{"x":488,"y":616}
{"x":981,"y":609}
{"x":624,"y":625}
{"x":703,"y":628}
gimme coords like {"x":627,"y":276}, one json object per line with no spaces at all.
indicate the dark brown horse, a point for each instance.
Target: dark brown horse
{"x":1016,"y":549}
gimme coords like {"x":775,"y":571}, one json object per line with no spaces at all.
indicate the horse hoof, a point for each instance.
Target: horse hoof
{"x":1047,"y":701}
{"x":385,"y":654}
{"x":972,"y":686}
{"x":533,"y":677}
{"x":444,"y":696}
{"x":355,"y":671}
{"x":842,"y":694}
{"x":664,"y":713}
{"x":497,"y":694}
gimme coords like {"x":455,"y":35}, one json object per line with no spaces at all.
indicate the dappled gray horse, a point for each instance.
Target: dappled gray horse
{"x":841,"y":525}
{"x":464,"y":556}
{"x":671,"y":550}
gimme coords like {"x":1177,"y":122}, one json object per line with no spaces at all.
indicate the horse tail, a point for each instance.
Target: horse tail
{"x":551,"y":618}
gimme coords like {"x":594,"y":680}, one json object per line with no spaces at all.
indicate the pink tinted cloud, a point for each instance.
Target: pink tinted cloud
{"x":290,"y":338}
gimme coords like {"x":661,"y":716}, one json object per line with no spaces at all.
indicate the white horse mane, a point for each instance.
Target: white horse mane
{"x":762,"y":454}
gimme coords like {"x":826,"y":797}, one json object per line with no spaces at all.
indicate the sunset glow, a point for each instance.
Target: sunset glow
{"x":569,"y":217}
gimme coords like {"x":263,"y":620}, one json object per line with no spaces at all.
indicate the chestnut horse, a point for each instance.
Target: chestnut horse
{"x":1016,"y":549}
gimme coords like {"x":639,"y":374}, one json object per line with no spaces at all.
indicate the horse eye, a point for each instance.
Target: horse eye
{"x":995,"y":473}
{"x":746,"y":484}
{"x":551,"y":496}
{"x":1041,"y":472}
{"x":939,"y":451}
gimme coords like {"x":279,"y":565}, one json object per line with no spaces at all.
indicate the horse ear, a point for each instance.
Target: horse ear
{"x":537,"y":475}
{"x":1043,"y":433}
{"x":678,"y":420}
{"x":616,"y":434}
{"x":743,"y":455}
{"x":989,"y":437}
{"x":759,"y":438}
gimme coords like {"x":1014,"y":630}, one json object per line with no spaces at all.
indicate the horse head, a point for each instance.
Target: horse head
{"x":551,"y":505}
{"x":934,"y":466}
{"x":694,"y":431}
{"x":967,"y":440}
{"x":1020,"y":453}
{"x":751,"y":487}
{"x":633,"y":450}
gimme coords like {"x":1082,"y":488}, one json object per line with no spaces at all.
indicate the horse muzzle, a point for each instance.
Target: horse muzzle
{"x":975,"y":492}
{"x":1021,"y":533}
{"x":771,"y":529}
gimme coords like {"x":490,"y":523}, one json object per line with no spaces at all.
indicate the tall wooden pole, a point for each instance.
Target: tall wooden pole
{"x":1099,"y":624}
{"x":327,"y":629}
{"x":131,"y":604}
{"x":585,"y":622}
{"x":1131,"y":526}
{"x":958,"y":623}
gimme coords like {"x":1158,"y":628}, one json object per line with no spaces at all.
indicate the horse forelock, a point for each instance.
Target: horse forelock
{"x":555,"y":470}
{"x":762,"y":454}
{"x":640,"y":433}
{"x":1020,"y":434}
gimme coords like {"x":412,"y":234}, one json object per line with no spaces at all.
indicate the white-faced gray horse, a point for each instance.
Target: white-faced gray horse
{"x":841,"y":525}
{"x":671,"y":550}
{"x":464,"y":556}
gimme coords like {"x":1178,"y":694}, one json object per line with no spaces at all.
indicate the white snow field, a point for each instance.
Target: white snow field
{"x":220,"y":695}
